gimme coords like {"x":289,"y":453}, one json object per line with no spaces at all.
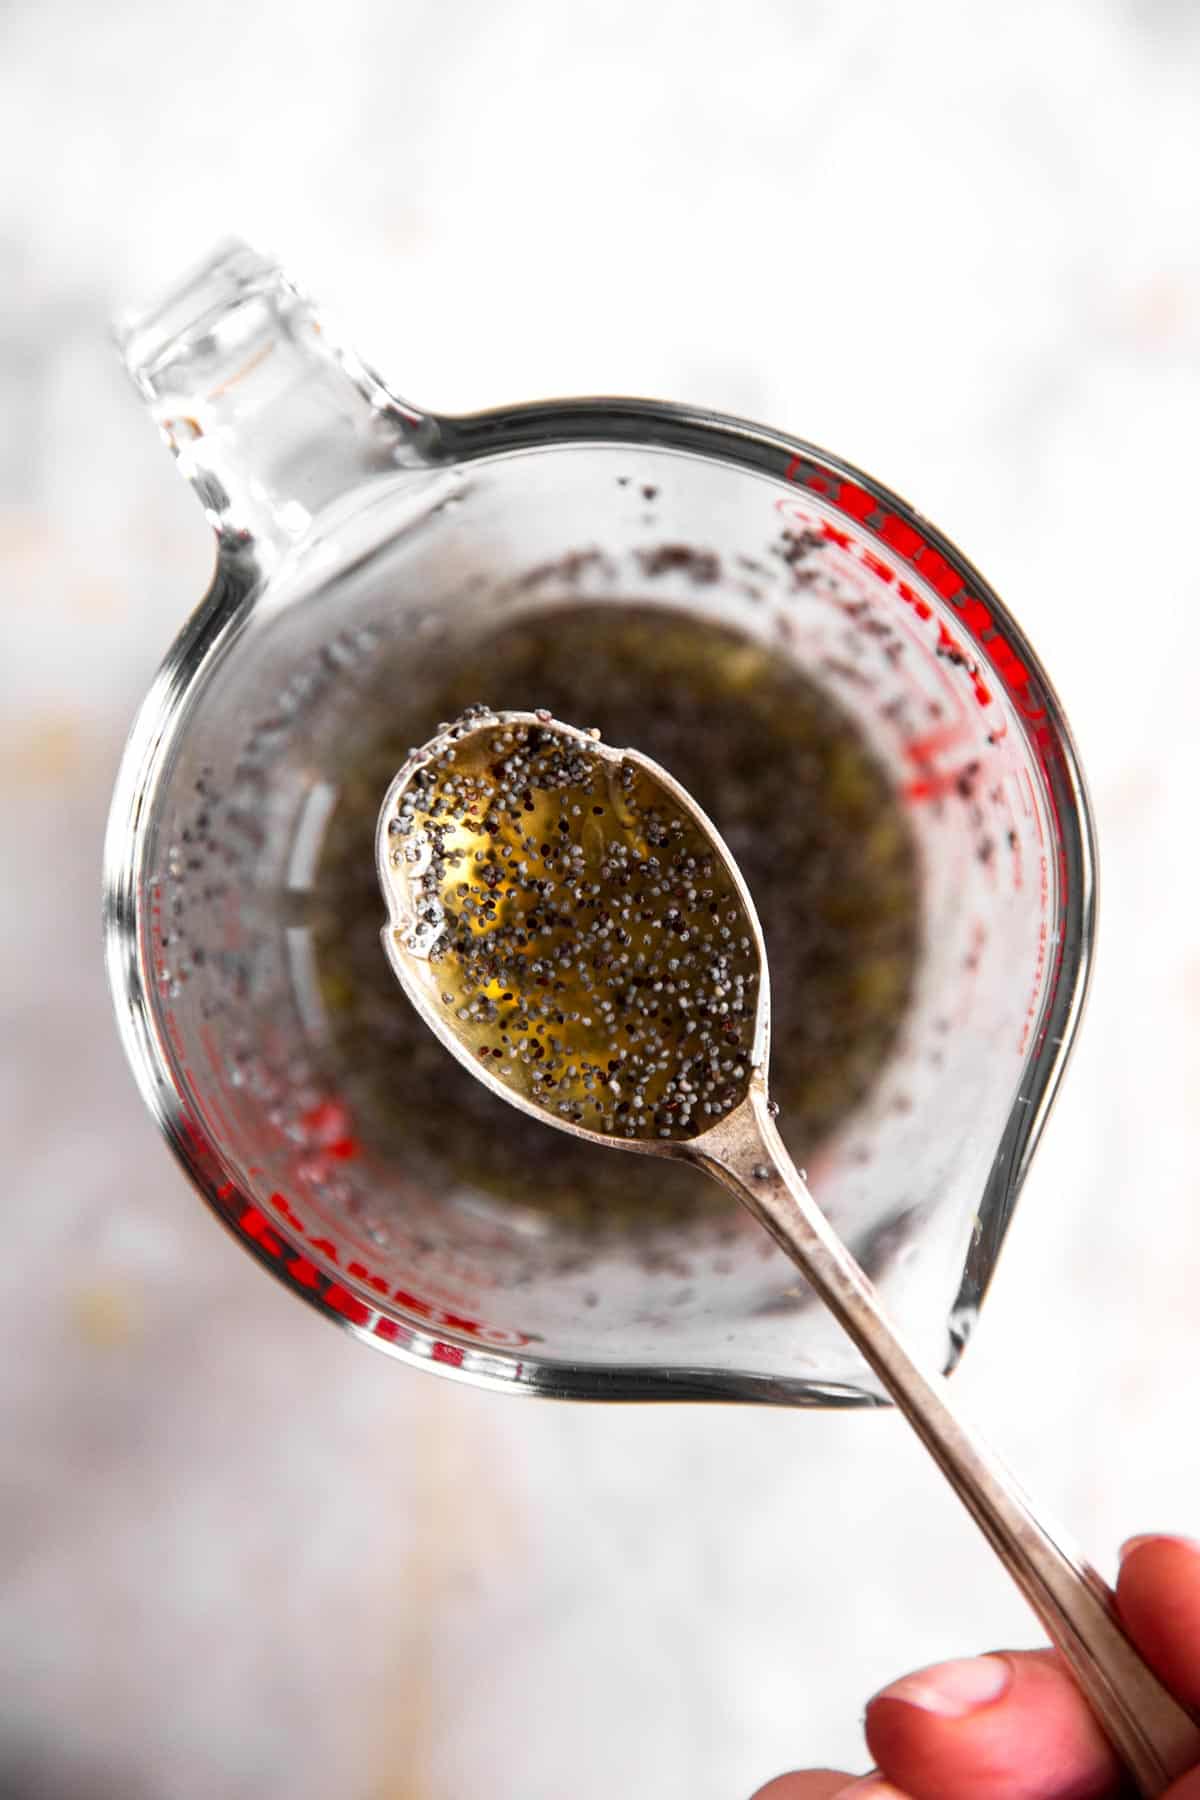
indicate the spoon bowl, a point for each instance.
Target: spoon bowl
{"x":602,"y":923}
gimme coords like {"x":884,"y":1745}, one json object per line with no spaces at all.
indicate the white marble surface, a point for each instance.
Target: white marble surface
{"x":961,"y":245}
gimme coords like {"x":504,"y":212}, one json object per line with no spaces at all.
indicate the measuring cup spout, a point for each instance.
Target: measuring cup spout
{"x":271,"y":420}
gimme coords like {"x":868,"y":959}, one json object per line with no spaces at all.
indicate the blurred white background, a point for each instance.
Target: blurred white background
{"x":960,"y":245}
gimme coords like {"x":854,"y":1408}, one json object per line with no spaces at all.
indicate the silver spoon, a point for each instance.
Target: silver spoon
{"x":571,"y":926}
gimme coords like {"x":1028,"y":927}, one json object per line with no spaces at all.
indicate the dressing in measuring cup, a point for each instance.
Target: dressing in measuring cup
{"x":750,"y":598}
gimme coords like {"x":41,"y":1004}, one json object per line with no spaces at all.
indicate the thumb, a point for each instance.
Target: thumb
{"x":812,"y":1784}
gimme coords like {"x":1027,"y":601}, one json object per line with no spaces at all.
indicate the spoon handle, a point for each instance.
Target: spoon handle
{"x":1153,"y":1734}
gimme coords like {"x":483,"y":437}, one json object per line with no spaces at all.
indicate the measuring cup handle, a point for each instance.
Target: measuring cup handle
{"x":271,"y":419}
{"x":1154,"y":1735}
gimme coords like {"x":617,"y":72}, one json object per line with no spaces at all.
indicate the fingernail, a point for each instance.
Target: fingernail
{"x":869,"y":1787}
{"x":1156,"y":1537}
{"x":953,"y":1689}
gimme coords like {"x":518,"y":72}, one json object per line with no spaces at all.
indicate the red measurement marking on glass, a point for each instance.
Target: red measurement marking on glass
{"x":257,"y":1228}
{"x":856,"y":503}
{"x":199,"y":1143}
{"x":948,"y":646}
{"x":304,"y":1271}
{"x":328,"y":1125}
{"x":961,"y":731}
{"x":855,"y":556}
{"x":950,"y":586}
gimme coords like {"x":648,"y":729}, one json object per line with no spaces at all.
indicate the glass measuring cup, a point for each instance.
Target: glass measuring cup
{"x":361,"y":540}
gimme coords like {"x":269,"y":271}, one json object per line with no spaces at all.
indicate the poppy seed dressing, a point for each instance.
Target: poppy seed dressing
{"x":807,"y":811}
{"x":582,"y":934}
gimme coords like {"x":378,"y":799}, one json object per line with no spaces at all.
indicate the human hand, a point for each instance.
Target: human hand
{"x":1012,"y":1726}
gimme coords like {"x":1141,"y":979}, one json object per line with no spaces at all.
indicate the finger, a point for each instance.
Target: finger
{"x":1158,"y":1597}
{"x":1006,"y":1727}
{"x":1186,"y":1788}
{"x":811,"y":1784}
